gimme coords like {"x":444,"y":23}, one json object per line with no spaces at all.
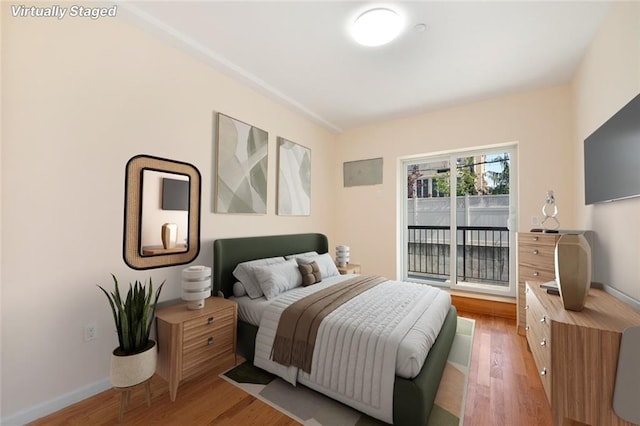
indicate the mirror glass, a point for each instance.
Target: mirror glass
{"x":165,"y":213}
{"x":162,"y":212}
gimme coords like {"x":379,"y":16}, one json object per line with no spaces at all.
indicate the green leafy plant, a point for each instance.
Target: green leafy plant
{"x":133,"y":316}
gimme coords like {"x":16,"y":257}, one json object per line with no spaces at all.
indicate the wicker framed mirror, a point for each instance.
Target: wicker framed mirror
{"x":161,"y":212}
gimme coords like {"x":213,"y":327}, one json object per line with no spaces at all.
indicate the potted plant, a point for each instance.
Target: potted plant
{"x":134,"y":360}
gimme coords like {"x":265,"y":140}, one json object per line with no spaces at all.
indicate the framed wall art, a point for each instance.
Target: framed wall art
{"x":362,"y":172}
{"x":241,"y":181}
{"x":294,"y":179}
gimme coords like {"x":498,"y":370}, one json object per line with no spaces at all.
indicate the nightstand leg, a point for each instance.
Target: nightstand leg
{"x":173,"y":390}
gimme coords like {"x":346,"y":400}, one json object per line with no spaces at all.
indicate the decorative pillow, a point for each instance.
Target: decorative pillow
{"x":310,"y":273}
{"x":238,"y":289}
{"x":244,"y":273}
{"x":278,"y":278}
{"x":325,"y":264}
{"x":305,"y":254}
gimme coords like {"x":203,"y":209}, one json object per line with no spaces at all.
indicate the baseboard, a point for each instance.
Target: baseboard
{"x":490,"y":305}
{"x":56,"y":404}
{"x":635,"y":304}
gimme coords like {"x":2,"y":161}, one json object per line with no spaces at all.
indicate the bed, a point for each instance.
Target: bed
{"x":412,"y":398}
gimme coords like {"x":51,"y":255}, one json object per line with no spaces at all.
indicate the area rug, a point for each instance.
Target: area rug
{"x":311,"y":408}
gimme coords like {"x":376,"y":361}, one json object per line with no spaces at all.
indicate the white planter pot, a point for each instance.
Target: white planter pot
{"x":130,"y":370}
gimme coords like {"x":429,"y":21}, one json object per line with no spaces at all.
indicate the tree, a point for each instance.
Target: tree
{"x":500,"y":179}
{"x":412,"y":179}
{"x":466,"y":179}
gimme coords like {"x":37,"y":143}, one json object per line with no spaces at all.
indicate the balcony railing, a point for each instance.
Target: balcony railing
{"x":482,"y":253}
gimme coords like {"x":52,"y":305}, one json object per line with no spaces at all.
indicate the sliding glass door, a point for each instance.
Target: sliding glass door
{"x":459,"y":213}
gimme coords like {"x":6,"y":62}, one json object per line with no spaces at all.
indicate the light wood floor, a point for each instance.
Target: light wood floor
{"x":503,"y":390}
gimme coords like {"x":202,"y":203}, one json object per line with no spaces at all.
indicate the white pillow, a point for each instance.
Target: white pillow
{"x":238,"y":289}
{"x":278,"y":278}
{"x":325,"y":264}
{"x":305,"y":254}
{"x":244,"y":274}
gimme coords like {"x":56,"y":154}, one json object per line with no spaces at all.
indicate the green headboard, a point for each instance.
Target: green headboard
{"x":228,"y":252}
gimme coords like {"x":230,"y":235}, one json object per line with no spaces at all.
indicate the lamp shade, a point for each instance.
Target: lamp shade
{"x":196,"y":286}
{"x":342,"y":255}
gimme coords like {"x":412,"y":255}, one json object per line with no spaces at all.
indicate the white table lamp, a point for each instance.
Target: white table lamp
{"x":196,"y":286}
{"x":342,"y":255}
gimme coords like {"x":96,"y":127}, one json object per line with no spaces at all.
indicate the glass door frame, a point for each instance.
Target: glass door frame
{"x":452,"y":156}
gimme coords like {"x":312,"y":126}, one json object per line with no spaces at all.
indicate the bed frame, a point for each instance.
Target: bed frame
{"x":412,"y":399}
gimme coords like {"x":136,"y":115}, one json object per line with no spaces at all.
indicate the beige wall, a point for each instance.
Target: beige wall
{"x":608,"y":78}
{"x":539,"y":122}
{"x":81,"y":97}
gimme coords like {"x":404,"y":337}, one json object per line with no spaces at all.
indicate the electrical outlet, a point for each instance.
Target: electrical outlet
{"x":90,"y":332}
{"x":535,"y":221}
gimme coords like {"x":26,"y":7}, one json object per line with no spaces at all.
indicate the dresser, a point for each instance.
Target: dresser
{"x":193,"y":341}
{"x":535,"y":262}
{"x":576,"y":353}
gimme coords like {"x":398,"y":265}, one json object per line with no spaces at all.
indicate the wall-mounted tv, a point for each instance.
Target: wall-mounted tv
{"x":175,"y":194}
{"x":612,"y":157}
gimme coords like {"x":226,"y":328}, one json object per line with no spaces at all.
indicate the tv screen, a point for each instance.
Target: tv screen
{"x":175,"y":194}
{"x":612,"y":157}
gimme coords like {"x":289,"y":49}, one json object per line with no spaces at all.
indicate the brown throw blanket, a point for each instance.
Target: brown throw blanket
{"x":298,"y":326}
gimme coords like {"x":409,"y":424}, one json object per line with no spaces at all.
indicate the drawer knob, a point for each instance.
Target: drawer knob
{"x":210,"y":341}
{"x":526,"y":308}
{"x":535,"y":238}
{"x":543,"y":319}
{"x":535,"y":251}
{"x":543,"y":372}
{"x":544,"y":342}
{"x":526,"y":328}
{"x":210,"y":320}
{"x":535,"y":274}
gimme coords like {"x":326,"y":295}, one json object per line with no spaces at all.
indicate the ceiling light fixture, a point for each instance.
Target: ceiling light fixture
{"x":376,"y":27}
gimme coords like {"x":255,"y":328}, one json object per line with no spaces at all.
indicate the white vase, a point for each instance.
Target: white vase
{"x":130,"y":370}
{"x":573,"y":270}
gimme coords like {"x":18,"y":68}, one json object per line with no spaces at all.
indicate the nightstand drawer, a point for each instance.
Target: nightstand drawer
{"x":206,"y":324}
{"x":202,"y":349}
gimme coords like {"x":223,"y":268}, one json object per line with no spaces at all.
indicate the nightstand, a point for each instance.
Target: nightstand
{"x":349,"y":268}
{"x":191,"y":342}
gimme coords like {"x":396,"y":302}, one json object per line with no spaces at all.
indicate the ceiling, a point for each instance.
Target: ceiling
{"x":301,"y":54}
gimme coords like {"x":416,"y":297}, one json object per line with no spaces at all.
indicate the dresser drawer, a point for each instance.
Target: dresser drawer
{"x":539,"y":339}
{"x":536,"y":255}
{"x":537,"y":239}
{"x":542,"y":272}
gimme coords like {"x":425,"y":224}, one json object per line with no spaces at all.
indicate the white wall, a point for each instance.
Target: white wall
{"x":539,"y":122}
{"x":80,"y":97}
{"x":608,"y":78}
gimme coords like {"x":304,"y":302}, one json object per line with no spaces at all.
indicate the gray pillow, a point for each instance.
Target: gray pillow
{"x":244,"y":273}
{"x":278,"y":278}
{"x":305,"y":254}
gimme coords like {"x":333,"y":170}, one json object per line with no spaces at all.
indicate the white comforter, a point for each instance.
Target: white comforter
{"x":358,"y":344}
